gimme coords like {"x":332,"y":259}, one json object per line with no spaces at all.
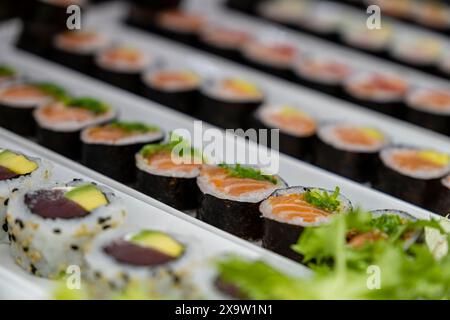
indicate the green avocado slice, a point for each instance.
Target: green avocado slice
{"x":87,"y":196}
{"x":17,"y":163}
{"x":159,"y":241}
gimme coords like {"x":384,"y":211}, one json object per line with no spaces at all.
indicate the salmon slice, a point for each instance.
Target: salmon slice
{"x":107,"y":133}
{"x":163,"y":161}
{"x":293,"y":206}
{"x":127,"y":55}
{"x":59,"y":112}
{"x":181,"y":19}
{"x":412,"y":160}
{"x":22,"y":92}
{"x":294,"y":122}
{"x":355,"y":136}
{"x":440,"y":100}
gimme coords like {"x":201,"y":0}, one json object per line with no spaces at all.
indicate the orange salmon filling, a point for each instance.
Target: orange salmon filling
{"x":437,"y":99}
{"x":60,"y":112}
{"x":412,"y":160}
{"x":355,"y":136}
{"x":173,"y":78}
{"x":74,"y":39}
{"x":330,"y":68}
{"x":293,"y":206}
{"x":22,"y":92}
{"x":127,"y":55}
{"x":300,"y":124}
{"x":222,"y":181}
{"x":175,"y":18}
{"x":279,"y":53}
{"x":109,"y":133}
{"x":238,"y":89}
{"x":163,"y":161}
{"x":227,"y":36}
{"x":381,"y":83}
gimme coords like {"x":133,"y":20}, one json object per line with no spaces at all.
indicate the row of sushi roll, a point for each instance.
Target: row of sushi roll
{"x":434,"y":15}
{"x":86,"y":129}
{"x":184,"y":89}
{"x":330,"y":21}
{"x":53,"y":225}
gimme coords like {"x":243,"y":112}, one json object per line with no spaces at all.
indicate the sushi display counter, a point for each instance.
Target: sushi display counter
{"x":310,"y":62}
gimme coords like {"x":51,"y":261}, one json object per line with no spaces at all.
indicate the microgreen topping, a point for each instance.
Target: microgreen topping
{"x":88,"y":103}
{"x":6,"y":71}
{"x":52,"y":90}
{"x":134,"y":126}
{"x":323,"y":200}
{"x":183,"y":146}
{"x":248,"y":173}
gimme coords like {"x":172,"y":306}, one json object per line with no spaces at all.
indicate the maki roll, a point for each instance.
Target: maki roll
{"x":287,"y":212}
{"x":439,"y":200}
{"x":430,"y":109}
{"x":421,"y":53}
{"x":142,"y":12}
{"x":49,"y":227}
{"x":433,"y":14}
{"x":122,"y":67}
{"x":19,"y":100}
{"x":110,"y":149}
{"x":179,"y":25}
{"x":349,"y":150}
{"x":398,"y":8}
{"x":59,"y":124}
{"x":7,"y":74}
{"x":271,"y":57}
{"x":357,"y":35}
{"x":323,"y":74}
{"x":297,"y":129}
{"x":42,"y":20}
{"x":230,"y":198}
{"x":150,"y":257}
{"x":409,"y":173}
{"x":173,"y":87}
{"x":380,"y":92}
{"x":286,"y":12}
{"x":170,"y":176}
{"x":17,"y":171}
{"x":224,"y":41}
{"x":77,"y":49}
{"x":229,"y":102}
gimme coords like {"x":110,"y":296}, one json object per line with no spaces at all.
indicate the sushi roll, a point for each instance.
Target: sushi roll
{"x":224,"y":40}
{"x":286,"y":12}
{"x":321,"y":73}
{"x":59,"y":124}
{"x":168,"y":176}
{"x":49,"y":227}
{"x":297,"y":128}
{"x":19,"y":100}
{"x":142,"y":12}
{"x":7,"y":74}
{"x":230,"y":198}
{"x":287,"y":212}
{"x":122,"y":67}
{"x":77,"y":49}
{"x":357,"y":35}
{"x":228,"y":102}
{"x":110,"y":149}
{"x":272,"y":57}
{"x":430,"y":109}
{"x":421,"y":53}
{"x":439,"y":200}
{"x":409,"y":173}
{"x":18,"y":171}
{"x":381,"y":92}
{"x":154,"y":258}
{"x":174,"y":87}
{"x":399,"y":8}
{"x":433,"y":14}
{"x":349,"y":150}
{"x":42,"y":20}
{"x":179,"y":25}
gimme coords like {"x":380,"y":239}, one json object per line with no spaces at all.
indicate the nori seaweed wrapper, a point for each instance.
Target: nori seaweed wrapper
{"x":129,"y":81}
{"x":77,"y":61}
{"x":18,"y":120}
{"x":142,"y":12}
{"x":179,"y":193}
{"x":247,"y":6}
{"x":67,"y":144}
{"x":239,"y":218}
{"x":278,"y":237}
{"x":394,"y":109}
{"x":436,"y":122}
{"x":226,"y":114}
{"x":358,"y":166}
{"x":438,"y":200}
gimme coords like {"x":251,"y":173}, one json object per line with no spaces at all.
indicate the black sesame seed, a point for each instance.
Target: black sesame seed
{"x":103,"y":220}
{"x":12,"y":238}
{"x":74,"y":247}
{"x":25,"y":249}
{"x":76,"y":179}
{"x":33,"y":269}
{"x":57,"y":231}
{"x":5,"y":203}
{"x":106,"y":226}
{"x":14,"y":190}
{"x":20,"y":223}
{"x":5,"y":226}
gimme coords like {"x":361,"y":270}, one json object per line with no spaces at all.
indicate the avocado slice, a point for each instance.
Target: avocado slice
{"x":16,"y":163}
{"x":87,"y":196}
{"x":158,"y":241}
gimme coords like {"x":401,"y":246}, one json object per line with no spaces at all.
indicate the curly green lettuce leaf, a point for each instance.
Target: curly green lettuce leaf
{"x":324,"y":200}
{"x":176,"y":144}
{"x":134,"y":126}
{"x":94,"y":105}
{"x":240,"y":171}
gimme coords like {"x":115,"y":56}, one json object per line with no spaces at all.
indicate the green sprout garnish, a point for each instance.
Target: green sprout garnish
{"x":248,"y":173}
{"x":323,"y":200}
{"x":6,"y":71}
{"x":134,"y":126}
{"x":52,"y":90}
{"x":88,"y":103}
{"x":174,"y":141}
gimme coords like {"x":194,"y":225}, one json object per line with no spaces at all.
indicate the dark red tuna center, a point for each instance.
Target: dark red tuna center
{"x":6,"y":174}
{"x":229,"y":289}
{"x":51,"y":204}
{"x":127,"y":252}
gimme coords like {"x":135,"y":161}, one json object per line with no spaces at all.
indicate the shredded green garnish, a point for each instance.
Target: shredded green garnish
{"x":134,"y":126}
{"x":6,"y":71}
{"x":174,"y":141}
{"x":323,"y":200}
{"x":88,"y":103}
{"x":52,"y":90}
{"x":248,"y":172}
